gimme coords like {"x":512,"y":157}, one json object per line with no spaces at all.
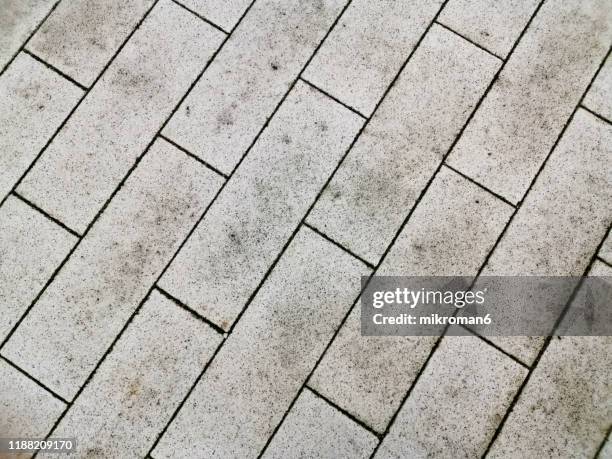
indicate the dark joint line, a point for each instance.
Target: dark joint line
{"x":335,"y":99}
{"x":49,"y":217}
{"x":470,"y":41}
{"x":337,"y":244}
{"x":55,"y":69}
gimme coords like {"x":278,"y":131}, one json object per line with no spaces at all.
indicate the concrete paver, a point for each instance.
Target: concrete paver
{"x":313,"y":428}
{"x":85,"y":307}
{"x":230,"y":104}
{"x":260,"y":369}
{"x":244,"y":231}
{"x":364,"y":52}
{"x":599,"y":97}
{"x":120,"y":116}
{"x":35,"y":101}
{"x":519,"y":121}
{"x":492,"y":24}
{"x":365,"y":375}
{"x":400,"y":149}
{"x":141,"y":382}
{"x":81,"y":36}
{"x":31,"y":248}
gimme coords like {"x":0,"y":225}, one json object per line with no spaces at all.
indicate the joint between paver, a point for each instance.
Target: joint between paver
{"x":480,"y":185}
{"x":46,"y":215}
{"x":594,"y":113}
{"x":343,"y":411}
{"x":191,"y":155}
{"x":202,"y":18}
{"x":470,"y":41}
{"x":55,"y":69}
{"x":604,"y":262}
{"x":335,"y":99}
{"x":495,"y":346}
{"x":32,"y":378}
{"x":337,"y":244}
{"x":198,"y":316}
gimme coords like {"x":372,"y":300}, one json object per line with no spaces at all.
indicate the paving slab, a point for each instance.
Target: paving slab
{"x":223,"y":13}
{"x":26,"y":409}
{"x":31,"y":248}
{"x":110,"y":272}
{"x":18,"y":20}
{"x":120,"y":116}
{"x":228,"y":255}
{"x":81,"y":36}
{"x":313,"y":428}
{"x":35,"y":101}
{"x":261,"y":367}
{"x":388,"y":167}
{"x":492,"y":24}
{"x":563,"y":218}
{"x":599,"y":97}
{"x":522,"y":116}
{"x":449,"y":234}
{"x":367,"y":48}
{"x":141,"y":382}
{"x":457,"y":403}
{"x":566,"y":406}
{"x":223,"y":113}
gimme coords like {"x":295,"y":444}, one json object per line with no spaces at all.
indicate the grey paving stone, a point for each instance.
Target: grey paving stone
{"x":599,"y":97}
{"x":224,"y":13}
{"x":141,"y":382}
{"x":31,"y":248}
{"x":259,"y":370}
{"x":313,"y":428}
{"x":34,"y":101}
{"x":245,"y":229}
{"x":364,"y":52}
{"x":240,"y":90}
{"x":492,"y":24}
{"x":517,"y":124}
{"x":606,"y":249}
{"x":390,"y":164}
{"x":563,"y":218}
{"x":120,"y":115}
{"x":81,"y":36}
{"x":108,"y":275}
{"x":18,"y":20}
{"x":606,"y":451}
{"x":450,"y":233}
{"x":457,"y":403}
{"x":566,"y":407}
{"x":26,"y":409}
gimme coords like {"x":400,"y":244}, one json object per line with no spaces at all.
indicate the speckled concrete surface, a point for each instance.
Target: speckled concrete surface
{"x":191,"y":190}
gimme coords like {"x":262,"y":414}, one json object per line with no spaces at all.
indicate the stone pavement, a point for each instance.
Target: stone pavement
{"x":191,"y":190}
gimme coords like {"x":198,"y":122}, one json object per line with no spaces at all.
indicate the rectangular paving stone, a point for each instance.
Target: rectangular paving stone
{"x":250,"y":384}
{"x":313,"y":428}
{"x":566,"y":407}
{"x":366,"y":49}
{"x":492,"y":24}
{"x":449,"y":234}
{"x":81,"y":36}
{"x":457,"y":404}
{"x":31,"y":248}
{"x":141,"y":382}
{"x":120,"y":115}
{"x":563,"y":218}
{"x":18,"y":20}
{"x":379,"y":181}
{"x":223,"y":113}
{"x":599,"y":97}
{"x":35,"y":101}
{"x":224,"y":13}
{"x":245,"y":229}
{"x":26,"y":409}
{"x":520,"y":119}
{"x":110,"y":272}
